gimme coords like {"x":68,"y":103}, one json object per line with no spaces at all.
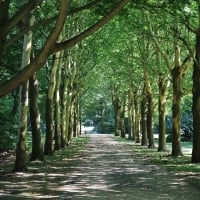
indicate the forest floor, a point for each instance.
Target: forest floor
{"x":104,"y":169}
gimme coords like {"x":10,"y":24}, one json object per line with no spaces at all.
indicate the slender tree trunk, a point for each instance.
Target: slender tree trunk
{"x":48,"y":148}
{"x":122,"y":118}
{"x":116,"y":105}
{"x":4,"y":8}
{"x":196,"y":103}
{"x":50,"y":125}
{"x":161,"y":111}
{"x":37,"y":149}
{"x":57,"y":135}
{"x":137,"y":120}
{"x":143,"y":121}
{"x":131,"y":117}
{"x":20,"y":162}
{"x":150,"y":109}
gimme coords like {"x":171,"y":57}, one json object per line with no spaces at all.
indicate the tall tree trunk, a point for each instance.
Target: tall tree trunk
{"x":20,"y":162}
{"x":37,"y":149}
{"x":150,"y":109}
{"x":122,"y":117}
{"x":161,"y":111}
{"x":137,"y":120}
{"x":176,"y":102}
{"x":4,"y":8}
{"x":57,"y":135}
{"x":196,"y":103}
{"x":48,"y":147}
{"x":116,"y":106}
{"x":143,"y":121}
{"x":131,"y":116}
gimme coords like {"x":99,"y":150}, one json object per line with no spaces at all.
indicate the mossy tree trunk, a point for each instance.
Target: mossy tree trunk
{"x":161,"y":110}
{"x":37,"y":148}
{"x":20,"y":162}
{"x":176,"y":112}
{"x":48,"y":147}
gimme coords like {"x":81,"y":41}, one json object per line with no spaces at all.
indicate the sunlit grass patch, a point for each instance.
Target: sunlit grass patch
{"x":185,"y":167}
{"x":164,"y":158}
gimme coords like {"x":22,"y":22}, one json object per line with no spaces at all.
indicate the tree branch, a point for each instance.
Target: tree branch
{"x":73,"y":41}
{"x":39,"y":60}
{"x":84,"y":7}
{"x":25,"y":10}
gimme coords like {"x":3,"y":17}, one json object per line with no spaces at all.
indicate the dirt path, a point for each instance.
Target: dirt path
{"x":108,"y":170}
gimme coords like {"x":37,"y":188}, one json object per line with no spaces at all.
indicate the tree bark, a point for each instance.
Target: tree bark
{"x":116,"y":105}
{"x":161,"y":111}
{"x":57,"y":135}
{"x":196,"y":103}
{"x":176,"y":74}
{"x":143,"y":121}
{"x":37,"y":149}
{"x":20,"y":162}
{"x":137,"y":120}
{"x":131,"y":116}
{"x":48,"y":147}
{"x":122,"y":117}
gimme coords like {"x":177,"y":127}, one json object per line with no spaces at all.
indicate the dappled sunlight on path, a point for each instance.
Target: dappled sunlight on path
{"x":109,"y":170}
{"x":105,"y":169}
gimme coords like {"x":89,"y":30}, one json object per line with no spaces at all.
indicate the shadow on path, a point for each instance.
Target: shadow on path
{"x":106,"y":170}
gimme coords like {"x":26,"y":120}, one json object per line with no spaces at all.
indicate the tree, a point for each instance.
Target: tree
{"x":20,"y":163}
{"x":50,"y":45}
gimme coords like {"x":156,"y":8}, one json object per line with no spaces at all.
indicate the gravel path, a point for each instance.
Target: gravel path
{"x":110,"y":170}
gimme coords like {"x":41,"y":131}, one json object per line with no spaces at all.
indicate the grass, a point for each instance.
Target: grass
{"x":179,"y":164}
{"x":43,"y":179}
{"x":73,"y":150}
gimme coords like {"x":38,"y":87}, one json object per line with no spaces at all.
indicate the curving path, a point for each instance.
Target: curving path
{"x":109,"y":170}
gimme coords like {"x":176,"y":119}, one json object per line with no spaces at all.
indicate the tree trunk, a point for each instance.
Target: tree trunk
{"x":196,"y":103}
{"x":57,"y":127}
{"x":116,"y":105}
{"x":176,"y":74}
{"x":122,"y":117}
{"x":143,"y":121}
{"x":161,"y":111}
{"x":131,"y":117}
{"x":50,"y":127}
{"x":137,"y":121}
{"x":4,"y":8}
{"x":150,"y":108}
{"x":37,"y":149}
{"x":20,"y":162}
{"x":48,"y":148}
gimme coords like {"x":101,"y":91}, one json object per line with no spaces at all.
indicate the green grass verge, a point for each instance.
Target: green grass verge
{"x":181,"y":163}
{"x":51,"y":161}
